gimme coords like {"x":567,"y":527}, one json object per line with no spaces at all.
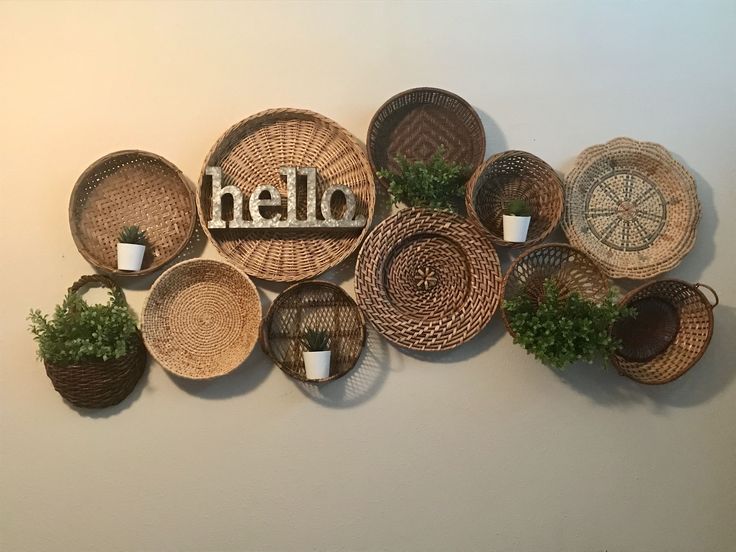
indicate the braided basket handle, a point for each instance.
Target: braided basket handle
{"x":715,"y":295}
{"x":104,"y":281}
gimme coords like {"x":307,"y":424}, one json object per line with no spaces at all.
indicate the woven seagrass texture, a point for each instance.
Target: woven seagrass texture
{"x":99,"y":383}
{"x":416,"y":122}
{"x":131,"y":188}
{"x":570,"y":269}
{"x":250,"y":154}
{"x":515,"y":175}
{"x":631,"y":207}
{"x":313,"y":305}
{"x":201,"y":318}
{"x":428,"y":280}
{"x":694,"y":332}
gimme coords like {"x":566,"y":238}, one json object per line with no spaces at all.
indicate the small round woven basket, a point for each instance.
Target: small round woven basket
{"x":129,"y":188}
{"x":670,"y":333}
{"x":99,"y":383}
{"x":515,"y":175}
{"x":201,"y":319}
{"x":313,"y":305}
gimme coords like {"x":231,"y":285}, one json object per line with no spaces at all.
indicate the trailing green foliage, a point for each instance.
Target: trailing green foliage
{"x":517,"y":208}
{"x":559,"y":331}
{"x":132,"y":234}
{"x":437,"y":184}
{"x":316,"y":340}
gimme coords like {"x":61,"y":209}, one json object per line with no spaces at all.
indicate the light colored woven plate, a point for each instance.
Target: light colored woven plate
{"x":131,"y":188}
{"x":428,"y":280}
{"x":631,"y":207}
{"x":201,"y":318}
{"x":250,"y":154}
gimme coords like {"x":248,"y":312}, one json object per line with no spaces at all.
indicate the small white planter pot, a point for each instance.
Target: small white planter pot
{"x":515,"y":228}
{"x":317,"y":364}
{"x":130,"y":256}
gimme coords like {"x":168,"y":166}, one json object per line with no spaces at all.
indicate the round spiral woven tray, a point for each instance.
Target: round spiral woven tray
{"x":428,"y":280}
{"x":128,"y":188}
{"x":515,"y":175}
{"x":313,"y":305}
{"x":416,"y":122}
{"x":201,"y":318}
{"x":250,"y":154}
{"x":632,"y":207}
{"x":665,"y":341}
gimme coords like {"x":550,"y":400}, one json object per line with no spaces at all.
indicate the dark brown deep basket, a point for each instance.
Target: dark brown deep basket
{"x":515,"y":175}
{"x":99,"y":383}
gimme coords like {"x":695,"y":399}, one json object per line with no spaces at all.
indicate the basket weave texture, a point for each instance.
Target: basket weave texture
{"x":99,"y":383}
{"x":131,"y":188}
{"x":428,"y":280}
{"x":631,"y":207}
{"x":250,"y":154}
{"x":201,"y":318}
{"x":515,"y":175}
{"x":694,"y":316}
{"x":313,"y":305}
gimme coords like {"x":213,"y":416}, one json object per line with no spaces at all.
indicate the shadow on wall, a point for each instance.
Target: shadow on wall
{"x":495,"y":139}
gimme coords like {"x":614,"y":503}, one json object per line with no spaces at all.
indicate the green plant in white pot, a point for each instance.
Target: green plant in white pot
{"x":131,"y":248}
{"x":516,"y":219}
{"x":316,"y":353}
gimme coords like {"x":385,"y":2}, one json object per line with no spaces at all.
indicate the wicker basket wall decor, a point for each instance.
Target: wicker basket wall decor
{"x":313,"y":305}
{"x":632,"y":207}
{"x":250,"y":154}
{"x":515,"y":175}
{"x":428,"y":280}
{"x":672,"y":330}
{"x":131,"y":188}
{"x":99,"y":383}
{"x":201,"y":319}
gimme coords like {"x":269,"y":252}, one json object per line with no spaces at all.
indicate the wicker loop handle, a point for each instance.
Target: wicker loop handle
{"x":104,"y":281}
{"x":715,"y":295}
{"x":265,"y":344}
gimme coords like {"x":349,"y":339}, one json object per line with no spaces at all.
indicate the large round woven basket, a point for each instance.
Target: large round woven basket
{"x":515,"y":175}
{"x":313,"y":305}
{"x":250,"y":154}
{"x":664,"y":341}
{"x":428,"y":280}
{"x":201,"y":318}
{"x":631,"y":207}
{"x":128,"y":188}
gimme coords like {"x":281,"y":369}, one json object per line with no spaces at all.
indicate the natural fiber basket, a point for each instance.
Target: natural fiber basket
{"x":313,"y":305}
{"x":128,"y":188}
{"x":428,"y":280}
{"x":201,"y":318}
{"x":631,"y":207}
{"x":99,"y":383}
{"x":669,"y":335}
{"x":515,"y":175}
{"x":251,"y":154}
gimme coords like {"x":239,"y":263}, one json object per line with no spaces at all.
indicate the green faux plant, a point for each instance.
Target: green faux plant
{"x":561,"y":330}
{"x":316,"y":340}
{"x":437,"y":184}
{"x":132,"y":234}
{"x":517,"y":208}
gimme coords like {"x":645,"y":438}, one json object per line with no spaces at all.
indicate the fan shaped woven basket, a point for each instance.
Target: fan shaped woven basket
{"x":251,"y":154}
{"x":128,"y":188}
{"x":515,"y":175}
{"x":428,"y":280}
{"x":631,"y":207}
{"x":319,"y":306}
{"x":651,"y":352}
{"x":201,"y":318}
{"x":99,"y":383}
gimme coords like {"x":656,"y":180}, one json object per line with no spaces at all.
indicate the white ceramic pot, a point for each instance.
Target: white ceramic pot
{"x":317,"y":364}
{"x":130,"y":256}
{"x":515,"y":228}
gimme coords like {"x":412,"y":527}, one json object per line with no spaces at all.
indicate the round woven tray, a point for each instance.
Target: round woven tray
{"x":515,"y":175}
{"x":319,"y":306}
{"x":632,"y":207}
{"x":428,"y":280}
{"x":128,"y":188}
{"x":251,"y":154}
{"x":650,"y":354}
{"x":416,"y":122}
{"x":201,"y":318}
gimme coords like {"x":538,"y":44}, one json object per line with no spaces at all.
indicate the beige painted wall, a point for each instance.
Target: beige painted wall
{"x":481,"y":448}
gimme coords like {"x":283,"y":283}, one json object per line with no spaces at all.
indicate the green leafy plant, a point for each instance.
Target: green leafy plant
{"x":561,"y":330}
{"x":437,"y":184}
{"x":132,"y":234}
{"x":517,"y":208}
{"x":316,"y":340}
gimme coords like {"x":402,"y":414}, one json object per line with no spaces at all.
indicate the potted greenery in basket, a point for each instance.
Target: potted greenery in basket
{"x":516,"y":218}
{"x":131,"y":248}
{"x":316,"y":353}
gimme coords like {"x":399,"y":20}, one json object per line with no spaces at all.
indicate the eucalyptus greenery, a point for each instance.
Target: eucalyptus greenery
{"x":132,"y":234}
{"x":316,"y":340}
{"x":517,"y":208}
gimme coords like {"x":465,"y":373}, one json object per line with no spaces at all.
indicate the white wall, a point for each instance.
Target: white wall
{"x":481,"y":448}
